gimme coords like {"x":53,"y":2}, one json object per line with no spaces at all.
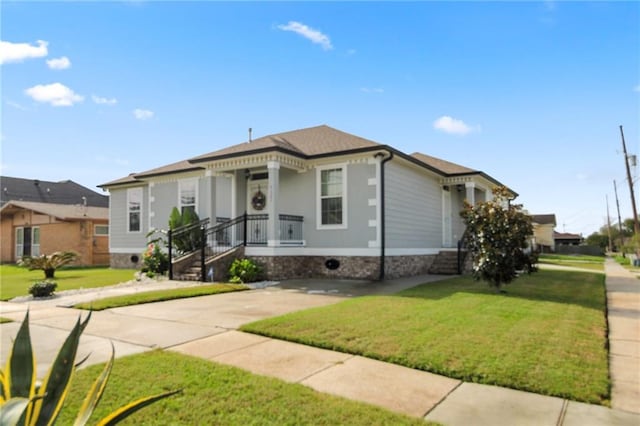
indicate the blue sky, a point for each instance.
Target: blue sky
{"x":531,"y":93}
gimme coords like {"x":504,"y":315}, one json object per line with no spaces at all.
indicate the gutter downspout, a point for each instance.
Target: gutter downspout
{"x":382,"y":215}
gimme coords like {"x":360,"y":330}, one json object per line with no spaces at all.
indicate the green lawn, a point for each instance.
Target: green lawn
{"x":595,"y":263}
{"x":15,"y":281}
{"x":159,"y":296}
{"x":215,"y":394}
{"x":546,"y":335}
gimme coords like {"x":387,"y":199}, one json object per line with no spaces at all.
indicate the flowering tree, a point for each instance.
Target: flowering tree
{"x":497,"y":235}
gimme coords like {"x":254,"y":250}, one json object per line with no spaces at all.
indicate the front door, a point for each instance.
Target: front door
{"x":257,"y":191}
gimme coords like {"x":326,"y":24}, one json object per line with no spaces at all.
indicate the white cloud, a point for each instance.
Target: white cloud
{"x":59,"y":63}
{"x":18,"y":52}
{"x":142,"y":114}
{"x":454,"y":126}
{"x":104,"y":101}
{"x":55,"y":94}
{"x":637,"y":88}
{"x":309,"y":33}
{"x":371,"y":90}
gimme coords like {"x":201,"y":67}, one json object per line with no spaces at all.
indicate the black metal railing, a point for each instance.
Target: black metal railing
{"x":290,"y":228}
{"x":228,"y":234}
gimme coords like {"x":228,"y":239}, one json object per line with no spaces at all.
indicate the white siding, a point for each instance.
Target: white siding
{"x":413,"y":208}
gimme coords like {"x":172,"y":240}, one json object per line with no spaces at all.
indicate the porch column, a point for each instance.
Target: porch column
{"x":488,"y":194}
{"x":273,"y":223}
{"x":210,"y":197}
{"x":471,"y":196}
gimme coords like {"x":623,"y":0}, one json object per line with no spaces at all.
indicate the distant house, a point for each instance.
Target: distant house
{"x":40,"y":217}
{"x":315,"y":202}
{"x":543,"y":233}
{"x":566,"y":239}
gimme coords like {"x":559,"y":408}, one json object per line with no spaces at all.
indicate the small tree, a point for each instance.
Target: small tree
{"x":49,"y":263}
{"x":190,"y":240}
{"x":497,"y":235}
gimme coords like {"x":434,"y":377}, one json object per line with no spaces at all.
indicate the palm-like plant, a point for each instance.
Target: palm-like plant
{"x":48,"y":263}
{"x":24,"y":403}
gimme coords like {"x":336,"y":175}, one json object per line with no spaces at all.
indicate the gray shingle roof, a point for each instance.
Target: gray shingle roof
{"x":444,"y":166}
{"x":42,"y":191}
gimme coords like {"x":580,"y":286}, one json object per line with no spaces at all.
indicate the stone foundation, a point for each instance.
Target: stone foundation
{"x":348,"y":267}
{"x":125,"y":260}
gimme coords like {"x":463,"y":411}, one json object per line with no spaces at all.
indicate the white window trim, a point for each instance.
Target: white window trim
{"x":319,"y":169}
{"x":184,"y":182}
{"x":129,"y":190}
{"x":19,"y":247}
{"x":99,"y":225}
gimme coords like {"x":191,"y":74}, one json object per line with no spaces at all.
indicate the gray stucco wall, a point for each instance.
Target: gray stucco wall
{"x":413,"y":208}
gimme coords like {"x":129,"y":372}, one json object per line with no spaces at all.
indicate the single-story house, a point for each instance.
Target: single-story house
{"x":41,"y":217}
{"x":567,"y":239}
{"x":315,"y":202}
{"x":543,"y":233}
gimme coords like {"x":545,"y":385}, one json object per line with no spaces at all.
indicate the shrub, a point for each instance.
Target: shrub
{"x":48,"y":263}
{"x":43,"y":289}
{"x":244,"y":271}
{"x":155,"y":261}
{"x":22,"y":402}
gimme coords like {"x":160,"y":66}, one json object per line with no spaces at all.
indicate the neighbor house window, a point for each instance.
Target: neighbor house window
{"x":332,"y":184}
{"x":19,"y":243}
{"x":35,"y":241}
{"x":100,"y":230}
{"x":188,"y":195}
{"x":134,"y":209}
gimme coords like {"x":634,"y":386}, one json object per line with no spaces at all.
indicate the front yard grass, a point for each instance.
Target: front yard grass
{"x":15,"y":281}
{"x":595,"y":263}
{"x":547,"y":334}
{"x":159,"y":296}
{"x":214,"y":394}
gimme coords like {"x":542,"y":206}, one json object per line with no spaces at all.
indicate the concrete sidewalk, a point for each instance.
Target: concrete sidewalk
{"x":623,"y":303}
{"x":207,"y":327}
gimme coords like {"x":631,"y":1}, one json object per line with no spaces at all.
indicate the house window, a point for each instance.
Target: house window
{"x":101,"y":230}
{"x":134,"y":209}
{"x":19,"y":242}
{"x":188,"y":195}
{"x":332,"y":191}
{"x":35,"y":241}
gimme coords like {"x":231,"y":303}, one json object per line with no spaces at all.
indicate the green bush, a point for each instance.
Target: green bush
{"x":244,"y":271}
{"x":623,"y":260}
{"x":155,"y":261}
{"x":43,"y":289}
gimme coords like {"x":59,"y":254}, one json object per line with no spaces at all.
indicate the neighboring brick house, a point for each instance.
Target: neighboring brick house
{"x":567,"y":239}
{"x":40,"y":217}
{"x":543,"y":225}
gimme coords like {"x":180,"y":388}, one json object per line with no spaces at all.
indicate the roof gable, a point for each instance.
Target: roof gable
{"x":41,"y":191}
{"x":59,"y":211}
{"x":307,"y":143}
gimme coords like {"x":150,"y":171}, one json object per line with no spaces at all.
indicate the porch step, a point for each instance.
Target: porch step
{"x":445,"y":263}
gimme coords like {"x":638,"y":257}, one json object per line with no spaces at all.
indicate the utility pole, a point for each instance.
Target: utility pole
{"x":608,"y":224}
{"x":615,"y":188}
{"x":636,"y":226}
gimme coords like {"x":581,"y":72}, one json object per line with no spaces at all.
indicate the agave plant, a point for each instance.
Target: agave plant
{"x":49,"y":263}
{"x":23,"y":402}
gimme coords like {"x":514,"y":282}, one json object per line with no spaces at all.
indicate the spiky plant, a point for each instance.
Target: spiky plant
{"x":48,"y":263}
{"x":23,"y":403}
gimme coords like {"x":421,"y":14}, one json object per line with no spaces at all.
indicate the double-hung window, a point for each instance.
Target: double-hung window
{"x":188,"y":195}
{"x":134,"y":209}
{"x":332,"y":193}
